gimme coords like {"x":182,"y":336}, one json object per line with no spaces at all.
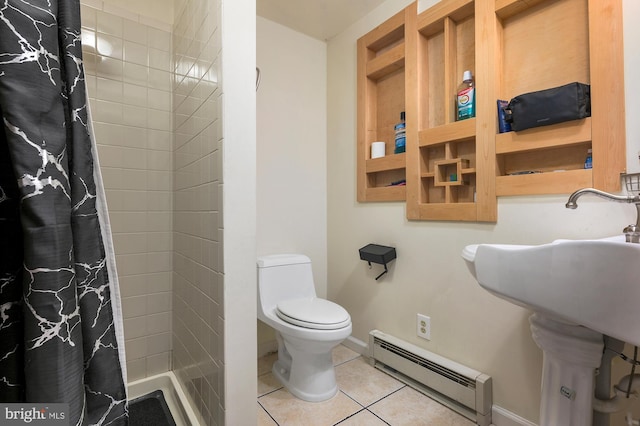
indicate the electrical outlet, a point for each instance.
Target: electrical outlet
{"x":423,"y":326}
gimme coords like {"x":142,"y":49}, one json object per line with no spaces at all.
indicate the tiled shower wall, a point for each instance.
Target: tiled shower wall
{"x":128,"y":66}
{"x":198,"y":275}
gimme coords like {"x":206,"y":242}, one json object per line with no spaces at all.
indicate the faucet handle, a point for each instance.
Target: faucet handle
{"x":632,"y":234}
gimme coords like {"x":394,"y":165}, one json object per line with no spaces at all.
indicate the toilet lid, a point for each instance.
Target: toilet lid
{"x":319,"y":314}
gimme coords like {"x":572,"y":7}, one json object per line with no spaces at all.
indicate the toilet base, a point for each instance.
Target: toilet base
{"x":306,"y":368}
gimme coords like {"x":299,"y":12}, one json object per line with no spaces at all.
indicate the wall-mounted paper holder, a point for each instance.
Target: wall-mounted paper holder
{"x":378,"y":254}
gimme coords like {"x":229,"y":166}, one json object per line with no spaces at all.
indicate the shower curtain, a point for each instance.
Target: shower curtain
{"x":59,"y":339}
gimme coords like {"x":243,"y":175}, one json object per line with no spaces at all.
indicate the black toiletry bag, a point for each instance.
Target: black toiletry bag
{"x":569,"y":102}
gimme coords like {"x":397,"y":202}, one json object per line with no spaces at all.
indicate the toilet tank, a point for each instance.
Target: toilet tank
{"x":282,"y":277}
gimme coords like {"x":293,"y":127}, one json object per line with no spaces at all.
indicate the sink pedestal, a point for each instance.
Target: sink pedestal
{"x":571,"y":354}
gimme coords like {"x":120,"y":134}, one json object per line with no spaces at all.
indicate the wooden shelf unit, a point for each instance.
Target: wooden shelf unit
{"x":415,"y":63}
{"x":381,"y":83}
{"x":581,"y":41}
{"x":446,"y":46}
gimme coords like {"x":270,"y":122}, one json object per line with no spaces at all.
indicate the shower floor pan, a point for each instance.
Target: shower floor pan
{"x":177,"y":401}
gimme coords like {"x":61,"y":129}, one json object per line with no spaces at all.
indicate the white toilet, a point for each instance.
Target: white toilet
{"x":307,"y":327}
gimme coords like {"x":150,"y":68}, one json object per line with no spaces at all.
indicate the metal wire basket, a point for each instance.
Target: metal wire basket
{"x":632,"y":182}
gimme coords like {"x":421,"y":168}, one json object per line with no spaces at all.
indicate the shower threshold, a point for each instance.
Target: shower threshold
{"x":177,"y":402}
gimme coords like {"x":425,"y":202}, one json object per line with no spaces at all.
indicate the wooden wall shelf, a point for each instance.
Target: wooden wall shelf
{"x":387,"y":63}
{"x":568,"y":133}
{"x":544,"y":183}
{"x":388,"y":162}
{"x":414,"y":63}
{"x":452,"y":132}
{"x":382,"y":57}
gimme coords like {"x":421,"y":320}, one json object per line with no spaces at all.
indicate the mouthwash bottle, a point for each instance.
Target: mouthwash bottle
{"x":400,"y":131}
{"x":466,"y":97}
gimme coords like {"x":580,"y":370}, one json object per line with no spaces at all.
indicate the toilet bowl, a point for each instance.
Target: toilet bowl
{"x":307,"y":327}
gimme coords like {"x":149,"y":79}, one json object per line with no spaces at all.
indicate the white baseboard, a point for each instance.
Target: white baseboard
{"x":502,"y":417}
{"x":357,"y":345}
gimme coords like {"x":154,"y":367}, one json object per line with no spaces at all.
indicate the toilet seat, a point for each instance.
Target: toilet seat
{"x":319,"y":314}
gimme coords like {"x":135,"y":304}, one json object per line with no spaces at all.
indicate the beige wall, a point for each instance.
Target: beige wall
{"x":129,"y":83}
{"x":239,"y":199}
{"x":291,"y":150}
{"x":468,"y":324}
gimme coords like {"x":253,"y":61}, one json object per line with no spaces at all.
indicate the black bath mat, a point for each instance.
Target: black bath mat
{"x":150,"y":410}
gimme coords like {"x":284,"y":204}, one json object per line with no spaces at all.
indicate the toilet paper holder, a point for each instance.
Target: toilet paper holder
{"x":378,"y":254}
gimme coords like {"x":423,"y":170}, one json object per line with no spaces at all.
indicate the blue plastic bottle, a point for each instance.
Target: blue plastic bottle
{"x":588,"y":162}
{"x":401,"y":139}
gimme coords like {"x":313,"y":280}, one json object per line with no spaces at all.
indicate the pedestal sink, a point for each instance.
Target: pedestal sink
{"x":579,"y":290}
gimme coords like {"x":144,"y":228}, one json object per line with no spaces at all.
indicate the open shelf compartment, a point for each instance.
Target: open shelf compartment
{"x":381,"y":98}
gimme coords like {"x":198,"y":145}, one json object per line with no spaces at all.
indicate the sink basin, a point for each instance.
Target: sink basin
{"x":593,"y":283}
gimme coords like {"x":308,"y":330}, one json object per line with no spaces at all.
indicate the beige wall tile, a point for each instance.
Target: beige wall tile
{"x":108,"y":133}
{"x":135,"y":32}
{"x":109,"y":46}
{"x":158,"y":343}
{"x":109,"y":90}
{"x":109,"y":24}
{"x":159,"y":241}
{"x":130,"y":243}
{"x":158,"y":363}
{"x":119,"y":98}
{"x":159,"y":160}
{"x":161,"y":281}
{"x":136,"y":369}
{"x":132,"y":264}
{"x":158,"y":323}
{"x":197,"y":337}
{"x":159,"y":120}
{"x":135,"y":327}
{"x":89,"y":17}
{"x":135,"y":306}
{"x":159,"y":59}
{"x":134,"y":285}
{"x":134,"y":74}
{"x":159,"y":200}
{"x":135,"y":95}
{"x":159,"y":180}
{"x":134,"y":137}
{"x":159,"y":79}
{"x":108,"y":112}
{"x":136,"y":348}
{"x":159,"y":221}
{"x":159,"y":261}
{"x":136,"y":53}
{"x":134,"y":116}
{"x":109,"y":67}
{"x":159,"y":39}
{"x":159,"y":302}
{"x":134,"y":200}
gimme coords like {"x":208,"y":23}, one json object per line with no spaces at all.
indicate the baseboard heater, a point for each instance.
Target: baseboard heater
{"x":460,"y":388}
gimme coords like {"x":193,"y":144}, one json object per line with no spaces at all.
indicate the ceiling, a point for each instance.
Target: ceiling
{"x":321,"y":19}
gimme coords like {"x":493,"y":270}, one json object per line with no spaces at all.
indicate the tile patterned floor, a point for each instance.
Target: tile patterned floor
{"x":367,"y":397}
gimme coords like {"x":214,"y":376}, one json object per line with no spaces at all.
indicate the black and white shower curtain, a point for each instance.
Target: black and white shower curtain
{"x":60,"y":341}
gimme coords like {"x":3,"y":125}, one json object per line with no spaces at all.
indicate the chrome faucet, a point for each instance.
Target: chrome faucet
{"x":631,"y":232}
